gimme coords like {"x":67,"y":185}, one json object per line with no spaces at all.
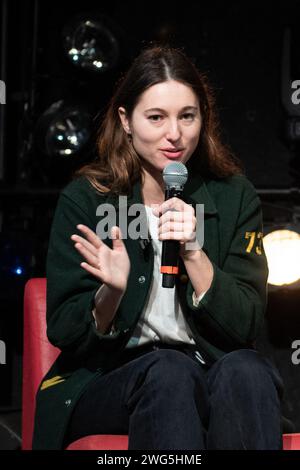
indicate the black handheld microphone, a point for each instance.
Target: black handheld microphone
{"x":175,"y":176}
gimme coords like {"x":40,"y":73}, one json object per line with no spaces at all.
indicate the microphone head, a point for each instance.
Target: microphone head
{"x":175,"y":175}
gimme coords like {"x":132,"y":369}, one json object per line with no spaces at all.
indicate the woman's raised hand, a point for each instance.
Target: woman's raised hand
{"x":110,"y":266}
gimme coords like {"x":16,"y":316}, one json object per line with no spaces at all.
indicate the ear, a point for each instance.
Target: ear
{"x":124,"y":120}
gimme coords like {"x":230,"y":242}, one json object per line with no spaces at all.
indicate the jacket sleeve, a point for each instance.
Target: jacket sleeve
{"x":70,"y":288}
{"x":232,"y":310}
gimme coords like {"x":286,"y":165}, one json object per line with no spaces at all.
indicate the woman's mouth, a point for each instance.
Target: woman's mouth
{"x":172,"y":154}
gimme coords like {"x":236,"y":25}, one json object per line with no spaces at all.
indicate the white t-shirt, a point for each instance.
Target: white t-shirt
{"x":162,"y":318}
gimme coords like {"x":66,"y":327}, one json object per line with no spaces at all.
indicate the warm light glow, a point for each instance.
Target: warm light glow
{"x":282,"y":249}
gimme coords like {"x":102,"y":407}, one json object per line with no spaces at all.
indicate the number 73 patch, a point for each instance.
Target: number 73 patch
{"x":255,"y":242}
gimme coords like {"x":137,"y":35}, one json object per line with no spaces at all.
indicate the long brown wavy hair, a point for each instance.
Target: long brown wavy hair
{"x":117,"y":165}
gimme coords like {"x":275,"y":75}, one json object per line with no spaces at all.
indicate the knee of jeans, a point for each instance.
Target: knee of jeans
{"x":246,"y":366}
{"x":173,"y":368}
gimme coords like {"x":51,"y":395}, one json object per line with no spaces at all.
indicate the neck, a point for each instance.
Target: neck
{"x":153,"y":188}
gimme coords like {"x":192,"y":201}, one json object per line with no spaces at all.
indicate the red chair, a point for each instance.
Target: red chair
{"x":291,"y":441}
{"x":38,"y":356}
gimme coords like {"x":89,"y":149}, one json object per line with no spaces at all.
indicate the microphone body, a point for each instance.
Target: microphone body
{"x":175,"y":176}
{"x":170,"y":250}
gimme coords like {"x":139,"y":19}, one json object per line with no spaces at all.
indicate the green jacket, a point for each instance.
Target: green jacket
{"x":228,"y":318}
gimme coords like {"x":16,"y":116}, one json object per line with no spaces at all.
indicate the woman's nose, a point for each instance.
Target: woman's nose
{"x":173,"y":131}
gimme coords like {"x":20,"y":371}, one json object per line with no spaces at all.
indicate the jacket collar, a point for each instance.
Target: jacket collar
{"x":195,"y":192}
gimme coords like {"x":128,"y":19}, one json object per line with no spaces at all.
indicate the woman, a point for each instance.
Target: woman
{"x":128,"y":344}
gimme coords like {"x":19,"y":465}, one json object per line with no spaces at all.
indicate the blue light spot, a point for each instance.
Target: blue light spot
{"x":18,"y":271}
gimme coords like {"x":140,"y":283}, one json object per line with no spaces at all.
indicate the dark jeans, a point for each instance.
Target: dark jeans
{"x":165,"y":399}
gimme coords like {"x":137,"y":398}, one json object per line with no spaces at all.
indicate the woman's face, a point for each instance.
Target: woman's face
{"x":165,"y":124}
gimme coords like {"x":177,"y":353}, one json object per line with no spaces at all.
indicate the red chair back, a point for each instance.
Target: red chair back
{"x":291,"y":441}
{"x":38,"y":356}
{"x":38,"y":353}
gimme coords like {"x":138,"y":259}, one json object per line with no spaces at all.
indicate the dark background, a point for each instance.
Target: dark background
{"x":240,"y":45}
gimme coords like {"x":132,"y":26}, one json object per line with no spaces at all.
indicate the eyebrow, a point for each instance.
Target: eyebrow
{"x":186,"y":108}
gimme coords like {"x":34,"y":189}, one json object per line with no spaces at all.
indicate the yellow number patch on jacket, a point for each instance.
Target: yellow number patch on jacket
{"x":255,"y":240}
{"x":53,"y":381}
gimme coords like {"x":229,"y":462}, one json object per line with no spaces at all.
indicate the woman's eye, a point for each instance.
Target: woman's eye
{"x":154,"y":117}
{"x":189,"y":116}
{"x":159,"y":117}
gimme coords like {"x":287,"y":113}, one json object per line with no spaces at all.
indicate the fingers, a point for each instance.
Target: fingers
{"x":88,"y":248}
{"x":172,"y":227}
{"x":90,"y":258}
{"x":173,"y":204}
{"x":177,"y":223}
{"x":95,"y":272}
{"x":182,"y":237}
{"x":85,"y":243}
{"x":90,"y":235}
{"x":176,"y":217}
{"x":95,"y":241}
{"x":116,"y":235}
